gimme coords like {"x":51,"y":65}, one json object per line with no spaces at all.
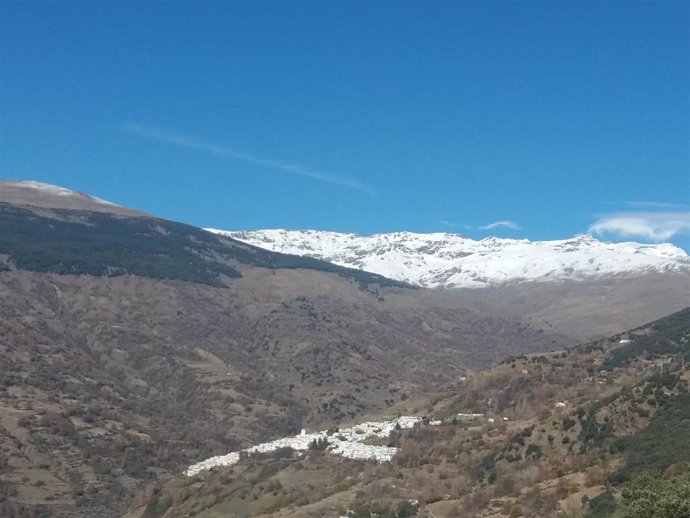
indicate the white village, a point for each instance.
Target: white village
{"x":346,"y":442}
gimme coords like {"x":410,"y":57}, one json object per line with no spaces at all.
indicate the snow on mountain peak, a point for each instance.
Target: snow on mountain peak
{"x":51,"y":190}
{"x":455,"y":261}
{"x":44,"y":187}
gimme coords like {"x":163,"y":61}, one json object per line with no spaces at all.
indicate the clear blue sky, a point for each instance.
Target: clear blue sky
{"x":554,"y":117}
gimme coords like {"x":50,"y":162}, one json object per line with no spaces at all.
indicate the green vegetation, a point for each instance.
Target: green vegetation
{"x":106,"y":245}
{"x":102,"y":244}
{"x":511,"y":452}
{"x":319,"y":444}
{"x":157,"y":506}
{"x":402,"y":510}
{"x":664,"y":442}
{"x":534,"y":451}
{"x":519,"y":438}
{"x":653,"y":496}
{"x":568,"y":423}
{"x":602,"y":506}
{"x":668,"y":335}
{"x":593,"y":433}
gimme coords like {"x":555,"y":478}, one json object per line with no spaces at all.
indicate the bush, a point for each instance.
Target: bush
{"x":406,"y":508}
{"x":652,"y":496}
{"x":602,"y":506}
{"x":534,"y":451}
{"x":402,"y":510}
{"x":568,"y":423}
{"x":319,"y":444}
{"x":664,"y":442}
{"x":666,"y":336}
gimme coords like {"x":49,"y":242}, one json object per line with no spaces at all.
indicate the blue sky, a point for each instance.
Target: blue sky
{"x":512,"y":118}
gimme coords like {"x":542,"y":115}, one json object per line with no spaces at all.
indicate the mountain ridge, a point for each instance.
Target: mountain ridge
{"x":134,"y":346}
{"x":48,"y":196}
{"x":429,"y":260}
{"x":454,"y":261}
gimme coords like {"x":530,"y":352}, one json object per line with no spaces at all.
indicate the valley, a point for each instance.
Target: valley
{"x":134,"y":349}
{"x":344,"y":259}
{"x":564,"y":434}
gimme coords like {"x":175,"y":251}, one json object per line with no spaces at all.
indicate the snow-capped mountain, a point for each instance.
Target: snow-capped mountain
{"x":45,"y":195}
{"x":454,"y":261}
{"x":49,"y":190}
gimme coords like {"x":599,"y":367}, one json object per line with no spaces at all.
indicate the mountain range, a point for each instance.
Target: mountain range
{"x":454,"y":261}
{"x":133,"y":347}
{"x":426,"y":260}
{"x":581,"y":286}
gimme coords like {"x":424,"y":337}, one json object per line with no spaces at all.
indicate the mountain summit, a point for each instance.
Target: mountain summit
{"x":454,"y":261}
{"x":44,"y":195}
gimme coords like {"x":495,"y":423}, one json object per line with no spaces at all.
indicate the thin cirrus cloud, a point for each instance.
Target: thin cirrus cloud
{"x":652,"y":225}
{"x":501,"y":224}
{"x":210,"y":148}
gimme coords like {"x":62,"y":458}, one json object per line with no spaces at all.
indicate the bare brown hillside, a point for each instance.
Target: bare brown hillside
{"x":593,"y":309}
{"x":109,"y":383}
{"x":132,"y":347}
{"x":557,"y":435}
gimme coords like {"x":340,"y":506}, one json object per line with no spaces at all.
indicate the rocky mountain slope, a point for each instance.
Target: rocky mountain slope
{"x":454,"y":261}
{"x":133,"y":347}
{"x":594,"y":431}
{"x":588,"y":309}
{"x":583,"y":287}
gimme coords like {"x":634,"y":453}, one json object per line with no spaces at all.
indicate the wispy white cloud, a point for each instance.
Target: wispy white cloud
{"x":660,"y":225}
{"x":501,"y":224}
{"x":233,"y":154}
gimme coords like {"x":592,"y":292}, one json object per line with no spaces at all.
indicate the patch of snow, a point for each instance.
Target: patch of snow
{"x":101,"y":200}
{"x":45,"y":187}
{"x":55,"y":190}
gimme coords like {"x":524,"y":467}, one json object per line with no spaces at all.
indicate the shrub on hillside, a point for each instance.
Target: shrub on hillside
{"x":652,"y":496}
